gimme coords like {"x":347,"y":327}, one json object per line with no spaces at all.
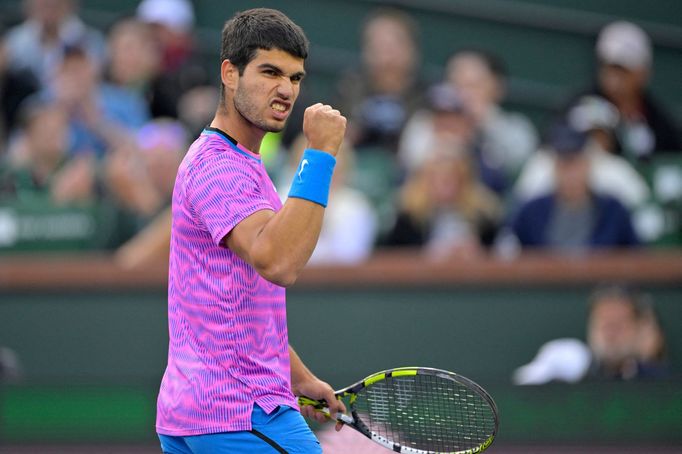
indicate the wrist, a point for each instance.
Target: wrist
{"x":313,"y":176}
{"x":324,"y":148}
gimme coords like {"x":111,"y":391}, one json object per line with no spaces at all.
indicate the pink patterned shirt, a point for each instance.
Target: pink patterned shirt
{"x":228,"y":345}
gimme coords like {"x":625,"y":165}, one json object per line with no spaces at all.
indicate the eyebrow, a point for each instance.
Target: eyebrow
{"x":278,"y":70}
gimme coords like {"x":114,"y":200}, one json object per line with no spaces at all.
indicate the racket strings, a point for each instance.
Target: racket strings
{"x":426,"y":412}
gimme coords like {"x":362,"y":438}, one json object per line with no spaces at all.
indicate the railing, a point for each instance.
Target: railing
{"x":395,"y":268}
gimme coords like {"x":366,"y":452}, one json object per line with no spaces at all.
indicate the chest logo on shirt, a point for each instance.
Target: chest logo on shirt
{"x":300,"y":172}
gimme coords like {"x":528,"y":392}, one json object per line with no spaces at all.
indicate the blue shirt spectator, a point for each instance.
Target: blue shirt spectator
{"x":101,"y":116}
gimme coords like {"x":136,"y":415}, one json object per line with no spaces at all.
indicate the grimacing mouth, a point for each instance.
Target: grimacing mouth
{"x":280,"y":106}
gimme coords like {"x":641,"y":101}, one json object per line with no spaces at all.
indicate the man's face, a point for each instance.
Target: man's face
{"x":388,"y":46}
{"x":572,"y":178}
{"x":76,"y":79}
{"x":621,"y":83}
{"x":613,"y":330}
{"x":49,"y":13}
{"x":268,"y":88}
{"x":477,"y":85}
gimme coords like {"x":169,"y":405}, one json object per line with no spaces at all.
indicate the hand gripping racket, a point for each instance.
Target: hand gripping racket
{"x":419,"y":410}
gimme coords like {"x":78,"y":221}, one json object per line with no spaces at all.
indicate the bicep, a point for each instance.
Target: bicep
{"x":244,"y":236}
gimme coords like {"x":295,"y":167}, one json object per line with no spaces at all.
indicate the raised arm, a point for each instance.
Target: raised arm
{"x":278,"y":245}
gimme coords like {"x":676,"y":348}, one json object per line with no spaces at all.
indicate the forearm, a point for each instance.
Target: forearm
{"x":278,"y":245}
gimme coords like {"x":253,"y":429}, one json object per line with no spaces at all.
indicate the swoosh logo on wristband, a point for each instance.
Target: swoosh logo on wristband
{"x":303,"y":164}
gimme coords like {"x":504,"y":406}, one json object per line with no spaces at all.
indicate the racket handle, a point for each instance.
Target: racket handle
{"x":344,"y":418}
{"x":321,"y":406}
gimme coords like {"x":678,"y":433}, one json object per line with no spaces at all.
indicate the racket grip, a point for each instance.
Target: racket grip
{"x":321,"y":406}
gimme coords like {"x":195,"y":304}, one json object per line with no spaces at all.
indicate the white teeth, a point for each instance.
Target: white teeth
{"x":279,"y":107}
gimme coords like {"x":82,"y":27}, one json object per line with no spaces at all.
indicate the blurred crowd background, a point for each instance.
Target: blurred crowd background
{"x":476,"y":130}
{"x":97,"y":116}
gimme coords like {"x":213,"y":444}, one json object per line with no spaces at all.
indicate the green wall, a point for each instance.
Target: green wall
{"x":343,"y":334}
{"x":93,"y":360}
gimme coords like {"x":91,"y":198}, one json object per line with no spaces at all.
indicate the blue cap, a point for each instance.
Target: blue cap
{"x":566,"y":140}
{"x":444,"y":98}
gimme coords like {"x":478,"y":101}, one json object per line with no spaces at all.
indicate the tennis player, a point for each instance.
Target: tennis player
{"x":232,"y":378}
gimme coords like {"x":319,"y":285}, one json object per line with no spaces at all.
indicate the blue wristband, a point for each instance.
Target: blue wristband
{"x":313,"y":177}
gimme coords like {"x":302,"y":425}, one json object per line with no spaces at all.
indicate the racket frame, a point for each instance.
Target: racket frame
{"x":351,"y":392}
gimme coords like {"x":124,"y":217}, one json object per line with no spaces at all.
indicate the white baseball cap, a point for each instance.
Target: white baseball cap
{"x":174,"y":14}
{"x":624,"y":44}
{"x":565,"y":360}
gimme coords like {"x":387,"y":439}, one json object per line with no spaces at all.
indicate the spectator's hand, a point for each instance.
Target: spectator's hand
{"x":317,"y":389}
{"x":75,"y":182}
{"x":129,"y":183}
{"x":324,"y":127}
{"x":117,"y":171}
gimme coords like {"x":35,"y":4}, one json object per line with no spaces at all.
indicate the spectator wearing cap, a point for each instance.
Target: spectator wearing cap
{"x":179,"y":70}
{"x":572,"y":217}
{"x":173,"y":21}
{"x":625,"y":60}
{"x":445,"y":117}
{"x":609,"y":173}
{"x":38,"y":44}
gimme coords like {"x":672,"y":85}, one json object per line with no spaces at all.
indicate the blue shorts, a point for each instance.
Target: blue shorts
{"x":282,"y":431}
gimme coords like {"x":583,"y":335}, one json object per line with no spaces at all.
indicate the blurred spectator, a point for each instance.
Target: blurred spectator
{"x":609,"y":174}
{"x":624,"y":336}
{"x":41,"y":168}
{"x":572,"y":217}
{"x":349,"y":227}
{"x":624,"y":55}
{"x":624,"y":342}
{"x":15,"y":85}
{"x":139,"y":177}
{"x":444,"y":207}
{"x":383,"y":94}
{"x":179,"y":70}
{"x":101,"y":116}
{"x":134,"y":60}
{"x":173,"y":21}
{"x":196,"y":108}
{"x":51,"y":26}
{"x":446,"y":119}
{"x":505,"y":139}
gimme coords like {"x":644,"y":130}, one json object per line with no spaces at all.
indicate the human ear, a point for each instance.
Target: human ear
{"x":229,"y":75}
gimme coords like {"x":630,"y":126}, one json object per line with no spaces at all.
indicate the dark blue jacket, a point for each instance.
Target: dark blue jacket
{"x":612,"y":227}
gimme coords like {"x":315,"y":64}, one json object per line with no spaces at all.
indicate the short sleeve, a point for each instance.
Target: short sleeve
{"x":223,"y":192}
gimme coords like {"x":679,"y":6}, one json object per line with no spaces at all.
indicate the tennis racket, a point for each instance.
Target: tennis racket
{"x":419,"y":410}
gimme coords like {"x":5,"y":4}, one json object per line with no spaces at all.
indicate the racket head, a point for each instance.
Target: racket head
{"x":423,"y":411}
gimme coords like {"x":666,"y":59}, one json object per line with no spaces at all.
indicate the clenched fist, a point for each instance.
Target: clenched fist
{"x":324,"y":127}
